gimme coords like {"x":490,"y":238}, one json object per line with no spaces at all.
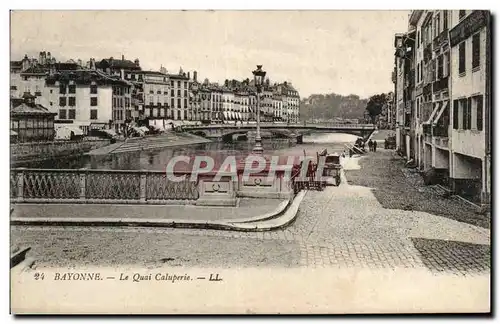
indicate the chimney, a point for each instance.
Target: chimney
{"x":49,"y":60}
{"x":195,"y":76}
{"x":122,"y":74}
{"x":189,"y":75}
{"x":40,"y":58}
{"x":123,"y":57}
{"x":136,"y":62}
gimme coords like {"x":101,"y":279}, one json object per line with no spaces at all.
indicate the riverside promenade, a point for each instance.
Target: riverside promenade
{"x":386,"y":255}
{"x":346,"y":226}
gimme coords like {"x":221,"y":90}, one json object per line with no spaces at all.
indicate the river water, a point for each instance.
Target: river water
{"x":157,"y":159}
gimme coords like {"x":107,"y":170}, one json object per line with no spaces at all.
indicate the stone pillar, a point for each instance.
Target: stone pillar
{"x":217,"y":192}
{"x":142,"y":188}
{"x":20,"y":185}
{"x":83,"y":183}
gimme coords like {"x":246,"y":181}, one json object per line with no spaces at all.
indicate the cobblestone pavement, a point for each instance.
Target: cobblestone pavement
{"x":341,"y":227}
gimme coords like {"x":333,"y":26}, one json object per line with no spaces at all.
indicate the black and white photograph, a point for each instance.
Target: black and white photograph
{"x":250,"y":161}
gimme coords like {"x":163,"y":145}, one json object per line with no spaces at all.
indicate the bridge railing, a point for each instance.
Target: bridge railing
{"x":84,"y":186}
{"x":99,"y":186}
{"x":295,"y":126}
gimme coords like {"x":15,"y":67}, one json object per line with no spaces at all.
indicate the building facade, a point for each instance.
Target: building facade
{"x":450,"y":120}
{"x":89,"y":99}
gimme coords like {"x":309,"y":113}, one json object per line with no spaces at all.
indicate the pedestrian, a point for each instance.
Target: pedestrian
{"x":374,"y":146}
{"x":370,"y":145}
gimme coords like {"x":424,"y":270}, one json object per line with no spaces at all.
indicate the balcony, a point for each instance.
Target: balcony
{"x":441,"y":142}
{"x":441,"y":39}
{"x":439,"y":85}
{"x":440,"y":131}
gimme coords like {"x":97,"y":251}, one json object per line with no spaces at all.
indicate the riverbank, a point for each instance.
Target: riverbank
{"x":394,"y":188}
{"x":168,"y":139}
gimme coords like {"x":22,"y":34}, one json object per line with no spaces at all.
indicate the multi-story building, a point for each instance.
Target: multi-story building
{"x":28,"y":75}
{"x":155,"y":91}
{"x":291,"y":102}
{"x":228,"y":104}
{"x":277,"y":106}
{"x":450,"y":96}
{"x":179,"y":95}
{"x":471,"y":96}
{"x":216,"y":101}
{"x":206,"y":103}
{"x":195,"y":99}
{"x":89,"y":99}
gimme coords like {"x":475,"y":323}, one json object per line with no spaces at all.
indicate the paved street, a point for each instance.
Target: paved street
{"x":339,"y":227}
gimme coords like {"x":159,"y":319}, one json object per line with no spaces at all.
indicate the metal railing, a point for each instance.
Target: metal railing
{"x":99,"y":186}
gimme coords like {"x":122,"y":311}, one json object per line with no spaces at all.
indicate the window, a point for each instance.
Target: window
{"x":466,"y":113}
{"x":50,"y":90}
{"x":178,"y":114}
{"x":185,"y":103}
{"x":418,"y":39}
{"x":172,"y":92}
{"x":476,"y":51}
{"x":438,"y":25}
{"x":445,"y":19}
{"x":71,"y":113}
{"x":151,"y":91}
{"x":185,"y":93}
{"x":172,"y":102}
{"x":158,"y":92}
{"x":461,"y":14}
{"x":455,"y":114}
{"x":72,"y":88}
{"x":440,"y":67}
{"x":13,"y":88}
{"x":62,"y":88}
{"x":62,"y":113}
{"x":62,"y":101}
{"x":179,"y":103}
{"x":178,"y":84}
{"x":178,"y":92}
{"x":478,"y":103}
{"x":93,"y":113}
{"x":72,"y":101}
{"x":93,"y":89}
{"x":172,"y":84}
{"x":461,"y":58}
{"x":446,"y":64}
{"x":93,"y":101}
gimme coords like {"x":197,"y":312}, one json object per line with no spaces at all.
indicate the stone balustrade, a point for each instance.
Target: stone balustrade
{"x":85,"y":186}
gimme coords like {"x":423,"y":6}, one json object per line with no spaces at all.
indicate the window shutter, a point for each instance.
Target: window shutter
{"x":455,"y":114}
{"x":469,"y":114}
{"x":479,"y":113}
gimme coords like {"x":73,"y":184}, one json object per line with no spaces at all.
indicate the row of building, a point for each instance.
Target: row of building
{"x":442,"y":78}
{"x":113,"y":92}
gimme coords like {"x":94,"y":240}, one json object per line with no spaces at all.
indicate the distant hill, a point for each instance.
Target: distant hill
{"x":332,"y":105}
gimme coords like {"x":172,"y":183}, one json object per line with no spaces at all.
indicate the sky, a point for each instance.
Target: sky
{"x":345,"y":52}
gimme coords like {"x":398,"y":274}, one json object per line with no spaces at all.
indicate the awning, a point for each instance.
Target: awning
{"x":434,"y":112}
{"x":239,"y":116}
{"x":13,"y":133}
{"x":233,"y":115}
{"x":443,"y":107}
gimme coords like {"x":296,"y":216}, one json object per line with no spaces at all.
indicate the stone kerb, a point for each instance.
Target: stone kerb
{"x":216,"y":189}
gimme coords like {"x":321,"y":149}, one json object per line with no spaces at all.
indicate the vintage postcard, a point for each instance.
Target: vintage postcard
{"x":250,"y":162}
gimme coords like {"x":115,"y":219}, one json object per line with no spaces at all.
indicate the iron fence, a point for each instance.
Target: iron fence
{"x":99,"y":186}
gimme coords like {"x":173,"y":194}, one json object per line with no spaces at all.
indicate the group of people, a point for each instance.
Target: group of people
{"x":372,"y":145}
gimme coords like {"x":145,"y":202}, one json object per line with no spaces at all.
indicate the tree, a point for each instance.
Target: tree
{"x":375,"y":105}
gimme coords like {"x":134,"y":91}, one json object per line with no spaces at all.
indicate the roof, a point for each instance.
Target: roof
{"x":25,"y":108}
{"x":85,"y":76}
{"x":114,"y":63}
{"x":153,"y":72}
{"x":178,"y":76}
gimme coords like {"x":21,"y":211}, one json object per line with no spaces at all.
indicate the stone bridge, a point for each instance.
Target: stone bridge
{"x":225,"y":131}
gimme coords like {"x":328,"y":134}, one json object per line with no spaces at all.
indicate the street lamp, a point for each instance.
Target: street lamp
{"x":259,"y":76}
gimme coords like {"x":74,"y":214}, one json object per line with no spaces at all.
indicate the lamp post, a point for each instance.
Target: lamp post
{"x":259,"y":76}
